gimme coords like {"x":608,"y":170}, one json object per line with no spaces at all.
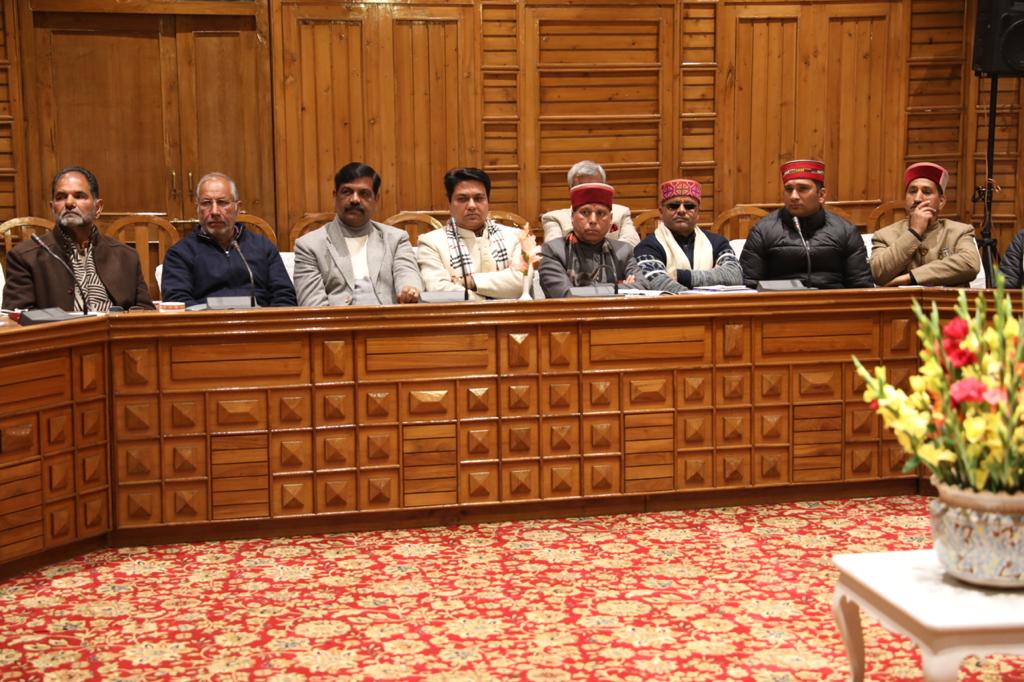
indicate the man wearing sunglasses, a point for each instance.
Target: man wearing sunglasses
{"x":682,"y":252}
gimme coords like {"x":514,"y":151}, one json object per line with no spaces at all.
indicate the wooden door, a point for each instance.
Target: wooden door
{"x":809,"y":81}
{"x":603,"y":90}
{"x":225,"y":108}
{"x":392,"y":86}
{"x":104,"y":99}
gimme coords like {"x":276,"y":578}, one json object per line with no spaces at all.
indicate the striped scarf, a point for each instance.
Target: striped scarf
{"x":84,"y":267}
{"x":458,"y":254}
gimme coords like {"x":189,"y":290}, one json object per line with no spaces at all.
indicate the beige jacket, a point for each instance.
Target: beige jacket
{"x":947,"y":255}
{"x":437,"y":272}
{"x":558,"y":223}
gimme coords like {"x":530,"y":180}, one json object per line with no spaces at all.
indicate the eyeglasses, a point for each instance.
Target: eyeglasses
{"x":207,"y":204}
{"x":674,"y":205}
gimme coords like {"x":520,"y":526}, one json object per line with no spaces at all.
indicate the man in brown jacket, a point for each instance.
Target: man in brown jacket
{"x":75,"y":267}
{"x":924,"y":248}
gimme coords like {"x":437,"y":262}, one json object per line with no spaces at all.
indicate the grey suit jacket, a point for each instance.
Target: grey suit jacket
{"x":323,"y":269}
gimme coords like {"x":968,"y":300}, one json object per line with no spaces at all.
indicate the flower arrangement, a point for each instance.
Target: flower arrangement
{"x":531,"y":251}
{"x":964,"y":416}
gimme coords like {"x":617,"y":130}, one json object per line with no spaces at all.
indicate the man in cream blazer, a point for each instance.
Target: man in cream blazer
{"x":472,"y":254}
{"x":354,"y":260}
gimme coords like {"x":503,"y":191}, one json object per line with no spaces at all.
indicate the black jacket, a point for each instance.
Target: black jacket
{"x":1010,"y":265}
{"x":774,"y":250}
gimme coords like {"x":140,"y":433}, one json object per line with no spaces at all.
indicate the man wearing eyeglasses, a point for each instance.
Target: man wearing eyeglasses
{"x":682,"y":252}
{"x":221,"y":258}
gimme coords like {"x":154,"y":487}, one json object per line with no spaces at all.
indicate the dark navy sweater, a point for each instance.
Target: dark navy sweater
{"x":197,"y":267}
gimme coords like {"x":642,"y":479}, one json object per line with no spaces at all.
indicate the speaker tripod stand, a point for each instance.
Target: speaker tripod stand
{"x":988,"y":244}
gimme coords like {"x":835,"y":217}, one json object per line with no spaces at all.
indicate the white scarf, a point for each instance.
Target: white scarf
{"x":675,"y":257}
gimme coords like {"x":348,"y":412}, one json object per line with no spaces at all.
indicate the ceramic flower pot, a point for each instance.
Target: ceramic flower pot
{"x":979,"y":536}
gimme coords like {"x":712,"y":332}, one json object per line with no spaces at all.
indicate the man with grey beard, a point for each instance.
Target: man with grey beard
{"x":75,"y":266}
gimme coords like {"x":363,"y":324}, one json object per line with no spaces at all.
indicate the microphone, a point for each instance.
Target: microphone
{"x":465,"y":277}
{"x":807,"y":249}
{"x":78,"y":285}
{"x":606,"y":251}
{"x":252,"y":280}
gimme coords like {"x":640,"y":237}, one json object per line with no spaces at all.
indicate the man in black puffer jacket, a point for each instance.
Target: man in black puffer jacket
{"x":804,"y":241}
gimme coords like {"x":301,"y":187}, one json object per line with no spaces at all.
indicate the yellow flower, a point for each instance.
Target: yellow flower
{"x":1012,"y":328}
{"x":933,"y":455}
{"x":974,"y":428}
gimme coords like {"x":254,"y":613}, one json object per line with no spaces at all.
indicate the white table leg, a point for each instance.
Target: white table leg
{"x":940,"y":666}
{"x":847,"y":615}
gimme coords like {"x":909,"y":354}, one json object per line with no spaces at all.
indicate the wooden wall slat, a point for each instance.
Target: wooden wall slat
{"x":719,"y":91}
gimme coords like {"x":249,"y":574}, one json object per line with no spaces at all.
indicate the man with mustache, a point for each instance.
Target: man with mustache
{"x":221,"y":258}
{"x":802,"y":240}
{"x":682,"y":252}
{"x":924,"y":248}
{"x":558,"y":223}
{"x":586,"y":256}
{"x":354,"y":260}
{"x":106,"y":271}
{"x":472,"y":255}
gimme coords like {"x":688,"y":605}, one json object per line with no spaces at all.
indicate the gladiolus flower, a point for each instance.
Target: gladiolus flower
{"x":955,"y":330}
{"x":995,"y":396}
{"x":960,"y":357}
{"x":968,"y":390}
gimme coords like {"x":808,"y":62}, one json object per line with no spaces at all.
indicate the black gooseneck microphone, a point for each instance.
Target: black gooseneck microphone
{"x":807,"y":249}
{"x":606,"y":252}
{"x":252,"y":280}
{"x":78,"y":285}
{"x":465,"y":278}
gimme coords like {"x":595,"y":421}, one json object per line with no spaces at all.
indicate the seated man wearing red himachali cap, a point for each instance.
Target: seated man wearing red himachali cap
{"x":802,"y":240}
{"x":681,"y":251}
{"x":924,"y":248}
{"x":584,"y":256}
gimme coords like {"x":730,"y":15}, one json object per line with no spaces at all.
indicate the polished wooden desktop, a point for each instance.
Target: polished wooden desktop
{"x":150,"y":427}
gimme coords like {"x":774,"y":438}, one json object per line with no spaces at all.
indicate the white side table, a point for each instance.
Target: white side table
{"x":909,"y":593}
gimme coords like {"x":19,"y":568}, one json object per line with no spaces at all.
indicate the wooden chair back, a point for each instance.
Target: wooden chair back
{"x":646,"y":222}
{"x":737,"y":221}
{"x":307,"y":223}
{"x":257,"y":224}
{"x":19,"y":229}
{"x":415,"y":223}
{"x":886,"y":213}
{"x":151,"y":236}
{"x":841,"y":212}
{"x":509,"y":218}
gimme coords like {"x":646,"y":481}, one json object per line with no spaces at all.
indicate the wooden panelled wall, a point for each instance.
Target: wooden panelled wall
{"x":280,"y":93}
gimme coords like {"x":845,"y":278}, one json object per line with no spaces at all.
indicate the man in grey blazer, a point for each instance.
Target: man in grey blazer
{"x":354,"y":260}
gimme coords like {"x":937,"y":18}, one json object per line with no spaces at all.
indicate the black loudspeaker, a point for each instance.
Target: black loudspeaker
{"x":999,"y":38}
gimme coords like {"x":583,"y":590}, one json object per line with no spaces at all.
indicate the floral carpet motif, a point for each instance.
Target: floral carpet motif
{"x":740,"y":593}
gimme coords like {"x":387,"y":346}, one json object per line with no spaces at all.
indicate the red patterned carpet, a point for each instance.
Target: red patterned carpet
{"x":717,"y":594}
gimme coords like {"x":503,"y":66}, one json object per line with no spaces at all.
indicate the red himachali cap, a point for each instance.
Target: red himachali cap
{"x":927,"y":171}
{"x":591,"y":193}
{"x":670,"y":189}
{"x":803,"y":169}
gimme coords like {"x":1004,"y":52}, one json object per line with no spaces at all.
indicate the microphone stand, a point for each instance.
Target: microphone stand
{"x":606,"y":250}
{"x":988,"y":245}
{"x":252,"y":280}
{"x":807,"y":249}
{"x":78,"y":285}
{"x":465,"y":277}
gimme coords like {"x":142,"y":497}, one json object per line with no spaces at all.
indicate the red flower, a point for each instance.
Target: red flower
{"x":968,"y":390}
{"x":873,"y":405}
{"x":960,"y":357}
{"x":956,"y":330}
